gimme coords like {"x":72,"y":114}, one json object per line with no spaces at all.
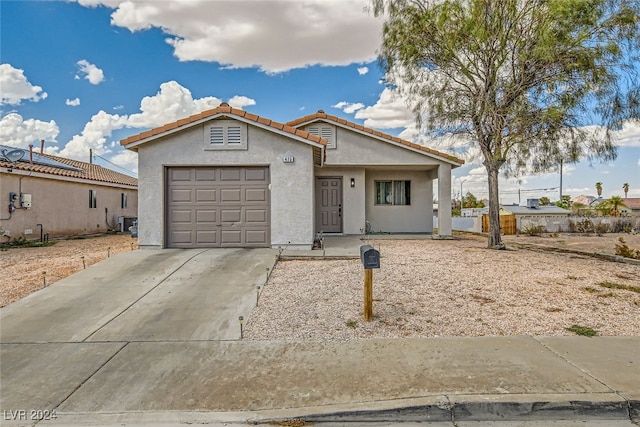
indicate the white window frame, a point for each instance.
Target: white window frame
{"x":232,"y":135}
{"x":326,"y":132}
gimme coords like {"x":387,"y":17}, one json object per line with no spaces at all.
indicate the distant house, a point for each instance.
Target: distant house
{"x":49,"y":195}
{"x":631,"y":206}
{"x":516,"y":218}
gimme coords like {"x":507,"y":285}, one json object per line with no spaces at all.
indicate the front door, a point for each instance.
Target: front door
{"x":329,"y":205}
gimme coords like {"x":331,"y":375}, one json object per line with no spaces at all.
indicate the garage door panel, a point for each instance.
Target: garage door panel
{"x":178,"y":175}
{"x":231,"y":174}
{"x":206,"y":216}
{"x":180,"y":195}
{"x":183,"y":236}
{"x":256,"y":237}
{"x":255,"y":216}
{"x":181,"y":216}
{"x":207,"y":237}
{"x":208,"y":174}
{"x":230,"y":195}
{"x":255,"y":195}
{"x":231,"y":237}
{"x":206,"y":195}
{"x":230,"y":215}
{"x":259,"y":175}
{"x":218,"y":207}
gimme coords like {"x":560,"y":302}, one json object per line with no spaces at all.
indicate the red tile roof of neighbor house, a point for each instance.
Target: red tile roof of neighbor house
{"x":327,"y":117}
{"x":87,"y":171}
{"x":632,"y":202}
{"x":225,"y":109}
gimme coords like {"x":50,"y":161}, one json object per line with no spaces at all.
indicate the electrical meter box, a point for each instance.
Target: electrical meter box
{"x":25,"y":200}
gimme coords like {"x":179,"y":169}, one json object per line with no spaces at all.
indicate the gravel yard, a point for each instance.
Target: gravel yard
{"x":425,"y":288}
{"x":22,"y":268}
{"x":431,"y":288}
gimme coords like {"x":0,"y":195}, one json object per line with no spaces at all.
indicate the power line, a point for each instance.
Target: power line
{"x":135,"y":175}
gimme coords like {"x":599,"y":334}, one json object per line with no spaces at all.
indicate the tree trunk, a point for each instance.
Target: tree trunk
{"x":495,"y":239}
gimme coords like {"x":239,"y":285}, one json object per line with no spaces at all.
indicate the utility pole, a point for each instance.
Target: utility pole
{"x":560,"y":180}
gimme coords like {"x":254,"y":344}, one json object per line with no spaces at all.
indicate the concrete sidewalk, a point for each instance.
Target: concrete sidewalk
{"x":151,"y":338}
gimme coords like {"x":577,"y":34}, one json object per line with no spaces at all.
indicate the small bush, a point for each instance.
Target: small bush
{"x":624,"y":250}
{"x":611,"y":285}
{"x":21,"y":242}
{"x":533,"y":230}
{"x":584,"y":331}
{"x":602,"y":228}
{"x":584,"y":226}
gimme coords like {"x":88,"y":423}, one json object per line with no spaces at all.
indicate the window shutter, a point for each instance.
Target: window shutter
{"x":314,"y":131}
{"x":216,"y":135}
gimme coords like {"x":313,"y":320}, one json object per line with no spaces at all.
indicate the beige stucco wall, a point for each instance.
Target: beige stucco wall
{"x":61,"y":206}
{"x":414,"y":218}
{"x":292,"y":203}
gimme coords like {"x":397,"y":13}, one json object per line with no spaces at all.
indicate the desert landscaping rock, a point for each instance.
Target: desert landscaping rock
{"x":433,"y":288}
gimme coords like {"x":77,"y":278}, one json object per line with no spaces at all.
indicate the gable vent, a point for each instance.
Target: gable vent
{"x":216,"y":135}
{"x":234,"y":135}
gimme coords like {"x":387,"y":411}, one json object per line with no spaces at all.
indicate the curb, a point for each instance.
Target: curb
{"x":605,"y":406}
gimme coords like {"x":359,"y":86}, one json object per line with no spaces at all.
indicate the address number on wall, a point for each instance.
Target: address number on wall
{"x":287,"y":159}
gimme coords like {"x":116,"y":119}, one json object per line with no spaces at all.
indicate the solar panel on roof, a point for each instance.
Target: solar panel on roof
{"x":41,"y":160}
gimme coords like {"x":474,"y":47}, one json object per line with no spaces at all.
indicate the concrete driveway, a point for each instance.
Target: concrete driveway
{"x":56,"y":339}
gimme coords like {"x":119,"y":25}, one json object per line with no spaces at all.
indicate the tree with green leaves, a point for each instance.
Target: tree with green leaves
{"x":520,"y":79}
{"x":625,"y":188}
{"x":544,"y":201}
{"x":471,"y":201}
{"x":599,"y":188}
{"x":611,"y":205}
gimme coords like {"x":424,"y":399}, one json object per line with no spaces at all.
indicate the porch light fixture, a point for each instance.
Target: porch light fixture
{"x":353,"y":182}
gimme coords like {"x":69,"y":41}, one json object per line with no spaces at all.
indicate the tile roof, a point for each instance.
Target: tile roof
{"x":327,"y":117}
{"x":632,"y":202}
{"x":224,"y":109}
{"x":88,"y":171}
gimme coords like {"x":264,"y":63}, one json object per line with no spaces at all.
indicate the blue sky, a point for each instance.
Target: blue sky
{"x":85,"y":74}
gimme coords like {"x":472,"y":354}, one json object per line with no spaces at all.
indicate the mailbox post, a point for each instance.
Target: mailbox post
{"x":370,"y":259}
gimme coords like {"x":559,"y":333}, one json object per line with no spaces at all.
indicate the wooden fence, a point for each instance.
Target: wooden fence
{"x":507,"y":224}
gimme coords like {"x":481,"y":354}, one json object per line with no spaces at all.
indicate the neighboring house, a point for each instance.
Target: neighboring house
{"x":49,"y":195}
{"x":228,"y":178}
{"x":550,"y":218}
{"x":632,"y":205}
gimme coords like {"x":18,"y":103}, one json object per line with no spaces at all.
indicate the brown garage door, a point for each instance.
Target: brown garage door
{"x":218,"y":207}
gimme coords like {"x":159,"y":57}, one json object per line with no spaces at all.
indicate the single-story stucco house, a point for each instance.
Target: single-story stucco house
{"x":51,"y":195}
{"x":229,"y":178}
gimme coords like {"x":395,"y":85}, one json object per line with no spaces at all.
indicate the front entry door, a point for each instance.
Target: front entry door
{"x":329,"y":205}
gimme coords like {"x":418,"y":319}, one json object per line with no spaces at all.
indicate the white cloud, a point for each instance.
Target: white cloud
{"x":18,"y":132}
{"x":127,"y":159}
{"x":73,"y":102}
{"x":16,"y":87}
{"x":478,"y":171}
{"x":92,"y":73}
{"x":389,"y":112}
{"x":170,"y":103}
{"x":119,"y":107}
{"x":241,"y":101}
{"x":629,"y":135}
{"x":274,"y":35}
{"x":363,"y":70}
{"x":349,"y":107}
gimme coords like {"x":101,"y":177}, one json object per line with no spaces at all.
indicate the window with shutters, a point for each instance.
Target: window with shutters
{"x":326,"y":132}
{"x":225,"y":135}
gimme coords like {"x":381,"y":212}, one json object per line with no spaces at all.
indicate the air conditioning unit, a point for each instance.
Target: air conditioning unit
{"x":124,"y":222}
{"x":533,"y":203}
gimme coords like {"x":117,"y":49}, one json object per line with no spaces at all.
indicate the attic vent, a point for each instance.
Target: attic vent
{"x":216,"y":135}
{"x":533,"y":203}
{"x":326,"y":133}
{"x":234,"y":135}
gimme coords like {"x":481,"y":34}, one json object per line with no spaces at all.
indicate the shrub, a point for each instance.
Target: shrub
{"x":602,"y":228}
{"x":585,"y":331}
{"x":624,"y":250}
{"x":533,"y":230}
